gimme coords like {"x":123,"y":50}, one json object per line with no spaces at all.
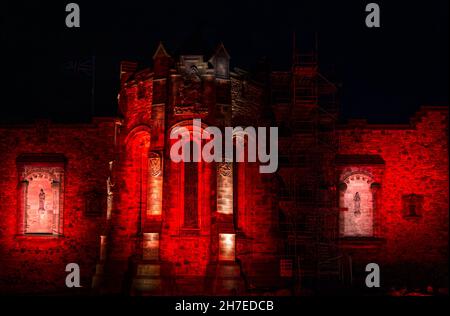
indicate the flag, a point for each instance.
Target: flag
{"x":81,"y":66}
{"x":76,"y":85}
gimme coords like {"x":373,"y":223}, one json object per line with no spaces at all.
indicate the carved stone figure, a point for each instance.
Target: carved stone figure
{"x":357,"y":200}
{"x":42,"y":201}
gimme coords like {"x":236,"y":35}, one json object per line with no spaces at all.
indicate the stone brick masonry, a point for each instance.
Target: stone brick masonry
{"x":121,"y":187}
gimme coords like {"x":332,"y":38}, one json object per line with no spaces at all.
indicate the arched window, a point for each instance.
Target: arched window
{"x":192,"y":174}
{"x":191,"y":187}
{"x":136,"y":167}
{"x":356,"y":199}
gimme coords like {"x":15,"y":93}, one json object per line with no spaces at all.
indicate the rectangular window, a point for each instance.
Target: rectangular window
{"x":94,"y":204}
{"x":412,"y":206}
{"x":226,"y":247}
{"x":151,"y":246}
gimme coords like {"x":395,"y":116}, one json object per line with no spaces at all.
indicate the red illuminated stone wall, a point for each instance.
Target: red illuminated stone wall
{"x":32,"y":263}
{"x":415,"y":162}
{"x":188,"y":257}
{"x":121,"y":187}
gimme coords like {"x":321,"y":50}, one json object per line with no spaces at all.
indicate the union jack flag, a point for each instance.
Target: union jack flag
{"x":83,"y":66}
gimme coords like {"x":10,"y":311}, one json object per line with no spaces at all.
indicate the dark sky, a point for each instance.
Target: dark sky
{"x":385,"y":74}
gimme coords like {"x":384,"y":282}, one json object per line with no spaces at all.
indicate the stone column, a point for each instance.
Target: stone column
{"x":55,"y":220}
{"x":22,"y":216}
{"x":98,"y":277}
{"x":375,"y":188}
{"x":226,"y":271}
{"x":103,"y":244}
{"x":147,"y":268}
{"x":342,"y":189}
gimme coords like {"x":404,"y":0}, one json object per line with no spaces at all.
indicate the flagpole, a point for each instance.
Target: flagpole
{"x":93,"y":88}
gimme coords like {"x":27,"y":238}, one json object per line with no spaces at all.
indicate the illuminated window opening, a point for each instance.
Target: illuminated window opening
{"x":150,"y":246}
{"x":226,"y":247}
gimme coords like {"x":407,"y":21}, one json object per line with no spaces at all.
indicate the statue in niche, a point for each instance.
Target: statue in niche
{"x":42,"y":214}
{"x":42,"y":201}
{"x":357,"y":200}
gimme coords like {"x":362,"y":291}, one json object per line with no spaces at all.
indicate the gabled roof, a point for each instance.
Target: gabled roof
{"x":221,"y":50}
{"x":160,"y":51}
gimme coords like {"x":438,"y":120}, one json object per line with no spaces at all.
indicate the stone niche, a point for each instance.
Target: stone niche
{"x":356,"y":199}
{"x":41,"y":189}
{"x":360,"y":178}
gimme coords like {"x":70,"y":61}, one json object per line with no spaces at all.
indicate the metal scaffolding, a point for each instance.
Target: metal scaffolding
{"x":308,"y":202}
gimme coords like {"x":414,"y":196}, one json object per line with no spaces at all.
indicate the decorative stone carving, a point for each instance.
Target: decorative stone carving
{"x":190,"y":90}
{"x":225,"y":188}
{"x":342,"y":187}
{"x":375,"y":187}
{"x":155,"y":166}
{"x":190,"y":93}
{"x":225,"y":169}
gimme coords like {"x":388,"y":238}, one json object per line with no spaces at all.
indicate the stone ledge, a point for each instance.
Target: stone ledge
{"x":361,"y":242}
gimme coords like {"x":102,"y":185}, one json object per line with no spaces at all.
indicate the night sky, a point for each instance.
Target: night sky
{"x":384,"y":74}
